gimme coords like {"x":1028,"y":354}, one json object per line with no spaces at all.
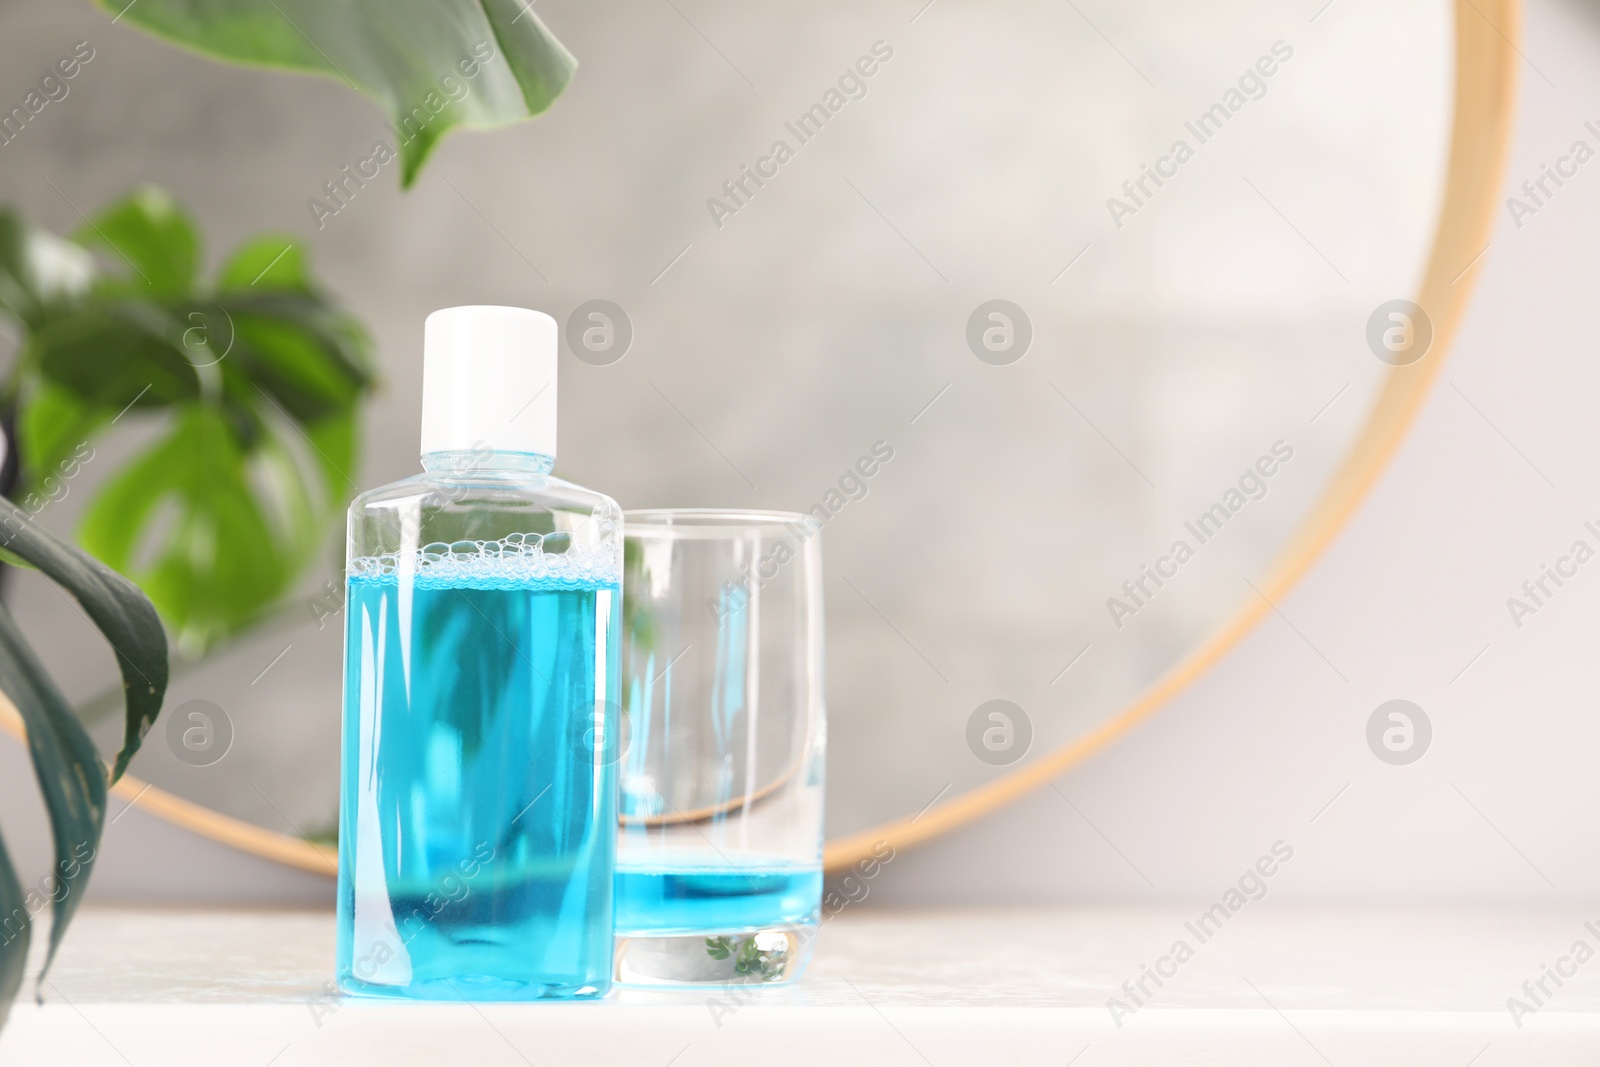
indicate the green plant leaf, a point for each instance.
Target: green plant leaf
{"x":288,"y":498}
{"x":334,"y":441}
{"x":293,"y":354}
{"x":116,"y":607}
{"x":40,"y":274}
{"x":430,"y":64}
{"x":69,"y":770}
{"x":216,"y":563}
{"x":53,"y":431}
{"x":339,"y":332}
{"x":120,"y":354}
{"x":70,"y":774}
{"x":16,"y":931}
{"x":148,"y":232}
{"x":268,"y":262}
{"x":259,"y":378}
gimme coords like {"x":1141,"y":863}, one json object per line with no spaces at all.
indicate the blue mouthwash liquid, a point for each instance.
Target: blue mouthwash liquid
{"x":479,"y":820}
{"x":715,"y":898}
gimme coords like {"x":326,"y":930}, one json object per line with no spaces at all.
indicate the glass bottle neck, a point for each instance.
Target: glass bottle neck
{"x":486,"y":461}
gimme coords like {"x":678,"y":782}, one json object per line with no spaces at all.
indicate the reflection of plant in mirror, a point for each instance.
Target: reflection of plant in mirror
{"x":71,"y":775}
{"x":258,"y":373}
{"x":749,"y":959}
{"x":411,"y":56}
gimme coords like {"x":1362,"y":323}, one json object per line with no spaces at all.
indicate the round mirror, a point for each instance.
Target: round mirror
{"x":1077,"y":328}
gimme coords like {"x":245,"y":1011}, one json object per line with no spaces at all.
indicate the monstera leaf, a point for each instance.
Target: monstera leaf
{"x":40,"y":274}
{"x":430,"y":64}
{"x":70,"y":773}
{"x":256,"y":377}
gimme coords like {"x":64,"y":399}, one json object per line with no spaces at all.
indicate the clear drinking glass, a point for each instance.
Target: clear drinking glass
{"x":719,"y":855}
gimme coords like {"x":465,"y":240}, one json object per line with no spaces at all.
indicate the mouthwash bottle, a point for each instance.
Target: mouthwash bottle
{"x":478,"y":815}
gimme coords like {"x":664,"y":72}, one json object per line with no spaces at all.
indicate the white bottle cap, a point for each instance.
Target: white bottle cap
{"x":489,"y":380}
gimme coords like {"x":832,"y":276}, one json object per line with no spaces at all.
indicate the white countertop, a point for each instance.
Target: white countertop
{"x":1274,"y":986}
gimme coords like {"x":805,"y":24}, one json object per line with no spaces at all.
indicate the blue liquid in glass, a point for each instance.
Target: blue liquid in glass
{"x":478,"y":823}
{"x":716,"y":899}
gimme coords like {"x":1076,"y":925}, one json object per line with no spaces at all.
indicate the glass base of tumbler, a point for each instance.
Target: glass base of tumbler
{"x":474,"y":988}
{"x":767,"y":956}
